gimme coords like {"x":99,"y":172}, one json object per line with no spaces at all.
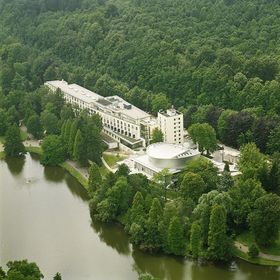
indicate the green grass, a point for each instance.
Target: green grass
{"x":34,"y":150}
{"x":103,"y":171}
{"x":23,"y":135}
{"x":247,"y":238}
{"x":2,"y":155}
{"x":112,"y":159}
{"x":241,"y":255}
{"x":81,"y":179}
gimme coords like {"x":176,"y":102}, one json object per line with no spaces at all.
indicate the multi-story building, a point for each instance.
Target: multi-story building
{"x":171,"y":123}
{"x":121,"y":120}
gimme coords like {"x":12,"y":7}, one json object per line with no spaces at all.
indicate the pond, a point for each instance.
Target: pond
{"x":44,"y":217}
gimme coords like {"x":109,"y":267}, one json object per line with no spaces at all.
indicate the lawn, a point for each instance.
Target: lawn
{"x":34,"y":150}
{"x":112,"y":159}
{"x":2,"y":139}
{"x":103,"y":171}
{"x":75,"y":173}
{"x":248,"y":239}
{"x":23,"y":135}
{"x":259,"y":261}
{"x":2,"y":155}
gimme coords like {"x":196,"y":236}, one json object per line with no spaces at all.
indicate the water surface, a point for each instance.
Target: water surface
{"x":44,"y":217}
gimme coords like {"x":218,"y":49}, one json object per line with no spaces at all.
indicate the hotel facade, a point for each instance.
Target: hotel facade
{"x":122,"y":122}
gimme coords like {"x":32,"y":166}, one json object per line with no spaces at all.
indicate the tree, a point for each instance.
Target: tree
{"x":23,"y":270}
{"x":152,"y":236}
{"x":53,"y":150}
{"x":205,"y":136}
{"x":13,"y":146}
{"x":34,"y":126}
{"x":195,"y":240}
{"x":116,"y":201}
{"x":192,"y":186}
{"x":244,"y":194}
{"x":50,"y":122}
{"x":123,"y":170}
{"x":163,"y":180}
{"x":265,"y":219}
{"x":274,"y":175}
{"x":3,"y":122}
{"x":219,"y":245}
{"x":57,"y":277}
{"x":136,"y":234}
{"x":137,"y":211}
{"x":157,"y":135}
{"x":170,"y":210}
{"x":71,"y":141}
{"x":207,"y":171}
{"x":226,"y":182}
{"x":79,"y":152}
{"x":253,"y":164}
{"x":253,"y":251}
{"x":95,"y":178}
{"x":176,"y":239}
{"x":160,"y":102}
{"x":223,"y":125}
{"x":273,"y":144}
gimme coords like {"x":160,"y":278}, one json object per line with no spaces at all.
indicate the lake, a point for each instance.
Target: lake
{"x":44,"y":217}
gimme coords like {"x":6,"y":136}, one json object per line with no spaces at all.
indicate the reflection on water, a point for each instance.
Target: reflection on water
{"x":44,"y":217}
{"x":114,"y":236}
{"x":15,"y":166}
{"x":54,"y":174}
{"x":75,"y":187}
{"x":160,"y":266}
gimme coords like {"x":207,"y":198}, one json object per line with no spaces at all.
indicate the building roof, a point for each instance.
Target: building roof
{"x":170,"y":151}
{"x":113,"y":103}
{"x":144,"y":160}
{"x":75,"y":91}
{"x":170,"y":112}
{"x":117,"y":104}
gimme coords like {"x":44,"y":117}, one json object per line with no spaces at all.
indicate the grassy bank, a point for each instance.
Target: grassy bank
{"x":112,"y":159}
{"x":2,"y":155}
{"x":66,"y":166}
{"x":247,"y":239}
{"x":34,"y":150}
{"x":75,"y":173}
{"x":241,"y":255}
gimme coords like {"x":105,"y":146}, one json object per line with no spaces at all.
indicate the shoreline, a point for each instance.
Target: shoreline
{"x":83,"y":181}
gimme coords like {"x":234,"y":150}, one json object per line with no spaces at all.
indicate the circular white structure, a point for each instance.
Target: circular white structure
{"x":172,"y":156}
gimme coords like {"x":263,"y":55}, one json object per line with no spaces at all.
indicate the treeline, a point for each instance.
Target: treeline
{"x":154,"y":54}
{"x":236,"y":128}
{"x":68,"y":133}
{"x":23,"y":270}
{"x":200,"y":214}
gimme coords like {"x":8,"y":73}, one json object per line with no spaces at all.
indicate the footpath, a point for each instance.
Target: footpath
{"x":243,"y":248}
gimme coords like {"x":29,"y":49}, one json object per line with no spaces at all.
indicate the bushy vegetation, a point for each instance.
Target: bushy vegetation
{"x":201,"y":218}
{"x":221,"y":71}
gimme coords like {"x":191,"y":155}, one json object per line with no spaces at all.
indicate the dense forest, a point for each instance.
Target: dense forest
{"x":154,"y":53}
{"x":217,"y":61}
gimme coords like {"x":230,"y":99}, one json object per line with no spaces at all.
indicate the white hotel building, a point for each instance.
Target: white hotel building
{"x":122,"y":121}
{"x":171,"y":123}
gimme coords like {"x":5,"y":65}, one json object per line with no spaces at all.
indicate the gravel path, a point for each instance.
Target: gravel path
{"x":245,"y":249}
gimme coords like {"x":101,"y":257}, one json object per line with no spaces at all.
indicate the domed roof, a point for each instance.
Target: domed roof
{"x":170,"y":151}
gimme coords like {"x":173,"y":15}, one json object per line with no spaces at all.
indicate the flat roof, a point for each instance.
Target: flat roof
{"x":113,"y":103}
{"x":144,"y":160}
{"x":170,"y":112}
{"x":120,"y":105}
{"x":169,"y":151}
{"x":75,"y":91}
